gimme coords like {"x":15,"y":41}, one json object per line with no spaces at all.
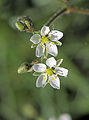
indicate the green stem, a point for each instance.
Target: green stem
{"x":52,"y":19}
{"x":68,"y":9}
{"x":76,"y":10}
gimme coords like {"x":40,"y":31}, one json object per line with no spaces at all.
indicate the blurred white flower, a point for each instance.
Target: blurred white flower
{"x":52,"y":72}
{"x":65,"y":117}
{"x":46,"y":41}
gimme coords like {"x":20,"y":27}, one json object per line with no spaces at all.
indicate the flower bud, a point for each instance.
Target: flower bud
{"x":24,"y":24}
{"x":25,"y":67}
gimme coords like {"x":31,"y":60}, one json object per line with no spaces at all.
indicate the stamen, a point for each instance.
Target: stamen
{"x":44,"y":78}
{"x":50,"y":45}
{"x":41,"y":44}
{"x":56,"y":77}
{"x":43,"y":75}
{"x":56,"y":74}
{"x":46,"y":48}
{"x":40,"y":39}
{"x":50,"y":35}
{"x":52,"y":78}
{"x":52,"y":42}
{"x":54,"y":71}
{"x":48,"y":81}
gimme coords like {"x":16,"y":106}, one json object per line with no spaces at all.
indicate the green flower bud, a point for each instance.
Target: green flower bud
{"x":24,"y":24}
{"x":25,"y":67}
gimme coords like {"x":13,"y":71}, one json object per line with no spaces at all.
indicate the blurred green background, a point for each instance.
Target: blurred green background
{"x":19,"y":97}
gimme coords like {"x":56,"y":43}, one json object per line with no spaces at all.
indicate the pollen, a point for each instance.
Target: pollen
{"x":48,"y":81}
{"x":43,"y":75}
{"x":46,"y":48}
{"x":41,"y":44}
{"x":40,"y":39}
{"x":54,"y":71}
{"x":49,"y":71}
{"x":50,"y":45}
{"x":55,"y":77}
{"x":52,"y":42}
{"x":52,"y":78}
{"x":50,"y":35}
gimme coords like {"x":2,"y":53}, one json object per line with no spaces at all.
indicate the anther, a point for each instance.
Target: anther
{"x":48,"y":81}
{"x":50,"y":35}
{"x":46,"y":48}
{"x":40,"y":39}
{"x":41,"y":44}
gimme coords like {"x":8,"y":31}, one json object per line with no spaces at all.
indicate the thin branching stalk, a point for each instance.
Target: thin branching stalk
{"x":76,"y":10}
{"x":52,"y":19}
{"x":68,"y":9}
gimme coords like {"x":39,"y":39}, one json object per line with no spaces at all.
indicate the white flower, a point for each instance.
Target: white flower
{"x":52,"y":70}
{"x":65,"y":116}
{"x":46,"y":41}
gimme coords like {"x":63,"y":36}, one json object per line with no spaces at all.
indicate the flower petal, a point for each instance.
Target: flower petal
{"x":52,"y":49}
{"x":45,"y":30}
{"x":35,"y":38}
{"x":40,"y":50}
{"x":55,"y":35}
{"x":61,"y":71}
{"x":51,"y":62}
{"x":54,"y":81}
{"x":41,"y":80}
{"x":40,"y":67}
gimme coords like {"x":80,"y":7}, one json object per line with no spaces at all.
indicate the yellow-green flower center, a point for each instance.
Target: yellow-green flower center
{"x":49,"y":71}
{"x":44,"y":39}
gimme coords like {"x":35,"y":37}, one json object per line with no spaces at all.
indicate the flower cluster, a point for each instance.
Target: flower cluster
{"x":46,"y":43}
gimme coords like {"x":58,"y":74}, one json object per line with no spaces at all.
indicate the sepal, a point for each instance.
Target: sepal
{"x":58,"y":43}
{"x":36,"y":73}
{"x":59,"y":61}
{"x":33,"y":45}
